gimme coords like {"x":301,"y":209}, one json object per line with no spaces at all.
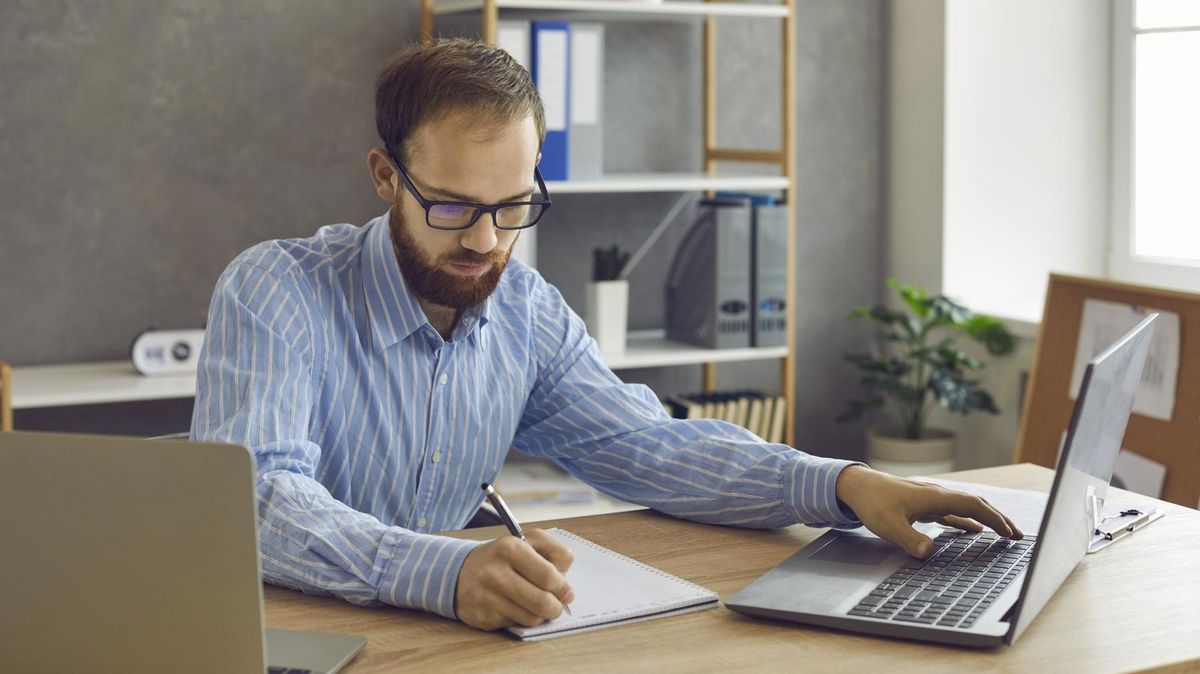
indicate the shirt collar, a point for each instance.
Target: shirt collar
{"x":391,"y":305}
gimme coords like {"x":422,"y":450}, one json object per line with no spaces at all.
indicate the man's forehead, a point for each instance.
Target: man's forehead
{"x":467,"y":131}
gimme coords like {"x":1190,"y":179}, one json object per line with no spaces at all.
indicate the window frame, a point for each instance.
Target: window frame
{"x":1123,"y":264}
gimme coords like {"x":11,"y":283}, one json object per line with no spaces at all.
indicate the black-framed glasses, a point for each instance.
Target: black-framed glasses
{"x":452,"y":215}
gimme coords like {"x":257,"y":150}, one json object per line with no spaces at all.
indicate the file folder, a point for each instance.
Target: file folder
{"x":708,"y":286}
{"x":513,"y":36}
{"x":551,"y":56}
{"x":768,"y":264}
{"x":585,"y":147}
{"x":769,"y":287}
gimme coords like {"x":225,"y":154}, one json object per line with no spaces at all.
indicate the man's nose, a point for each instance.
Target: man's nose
{"x":481,"y":236}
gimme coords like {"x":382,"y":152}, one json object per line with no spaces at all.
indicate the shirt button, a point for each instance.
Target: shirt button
{"x":437,"y":456}
{"x":422,"y":522}
{"x":443,"y":379}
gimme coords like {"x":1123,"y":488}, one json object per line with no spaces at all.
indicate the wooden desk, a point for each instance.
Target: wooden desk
{"x":1132,"y":607}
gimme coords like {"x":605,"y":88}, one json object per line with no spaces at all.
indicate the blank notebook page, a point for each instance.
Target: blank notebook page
{"x":613,"y":589}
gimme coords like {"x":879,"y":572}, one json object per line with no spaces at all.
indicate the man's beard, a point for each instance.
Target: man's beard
{"x":430,"y":283}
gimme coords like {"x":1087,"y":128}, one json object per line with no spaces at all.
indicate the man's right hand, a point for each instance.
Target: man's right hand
{"x":510,"y":581}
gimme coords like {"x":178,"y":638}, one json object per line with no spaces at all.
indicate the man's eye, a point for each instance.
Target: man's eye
{"x":448,"y":211}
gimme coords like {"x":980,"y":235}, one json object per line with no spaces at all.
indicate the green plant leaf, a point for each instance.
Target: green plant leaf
{"x":948,"y":312}
{"x":919,"y":361}
{"x":992,"y":333}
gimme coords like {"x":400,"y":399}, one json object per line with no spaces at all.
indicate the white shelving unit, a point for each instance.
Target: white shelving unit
{"x":621,"y":7}
{"x":93,"y":383}
{"x":650,"y":350}
{"x":665,"y":182}
{"x":117,"y":381}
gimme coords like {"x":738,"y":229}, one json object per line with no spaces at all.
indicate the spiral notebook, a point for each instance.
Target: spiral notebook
{"x":612,"y":589}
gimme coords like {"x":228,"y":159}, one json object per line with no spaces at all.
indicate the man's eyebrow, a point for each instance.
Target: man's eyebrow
{"x":466,"y":197}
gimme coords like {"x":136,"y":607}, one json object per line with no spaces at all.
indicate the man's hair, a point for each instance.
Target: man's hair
{"x":446,"y":76}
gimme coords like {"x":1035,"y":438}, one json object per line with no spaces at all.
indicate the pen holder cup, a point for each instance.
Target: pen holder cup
{"x":606,"y":314}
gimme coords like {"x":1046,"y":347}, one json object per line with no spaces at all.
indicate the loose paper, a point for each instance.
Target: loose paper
{"x":1104,"y":323}
{"x":1137,"y":473}
{"x":1131,"y":471}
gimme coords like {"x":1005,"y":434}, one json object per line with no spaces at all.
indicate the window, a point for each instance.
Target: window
{"x":1156,"y":143}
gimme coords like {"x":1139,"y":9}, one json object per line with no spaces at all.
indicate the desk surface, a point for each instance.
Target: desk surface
{"x":1132,"y":607}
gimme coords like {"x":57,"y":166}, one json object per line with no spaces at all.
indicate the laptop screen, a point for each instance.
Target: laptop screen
{"x":1084,"y":468}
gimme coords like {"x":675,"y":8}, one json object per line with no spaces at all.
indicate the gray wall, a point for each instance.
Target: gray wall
{"x":147,"y":143}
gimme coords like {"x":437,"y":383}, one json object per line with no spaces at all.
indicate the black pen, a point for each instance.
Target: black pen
{"x":510,"y":521}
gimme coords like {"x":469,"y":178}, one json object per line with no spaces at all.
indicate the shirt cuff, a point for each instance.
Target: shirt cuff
{"x":812,"y":495}
{"x":422,"y":571}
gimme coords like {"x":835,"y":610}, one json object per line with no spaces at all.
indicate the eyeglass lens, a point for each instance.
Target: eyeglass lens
{"x":452,"y":216}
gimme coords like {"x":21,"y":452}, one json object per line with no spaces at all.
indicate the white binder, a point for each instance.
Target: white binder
{"x":586,"y":138}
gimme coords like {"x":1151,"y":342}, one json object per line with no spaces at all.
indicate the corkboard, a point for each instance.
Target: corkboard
{"x":1048,"y":405}
{"x":6,"y":422}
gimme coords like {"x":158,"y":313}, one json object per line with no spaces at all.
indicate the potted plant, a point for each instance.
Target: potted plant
{"x":917,"y":366}
{"x":608,"y":300}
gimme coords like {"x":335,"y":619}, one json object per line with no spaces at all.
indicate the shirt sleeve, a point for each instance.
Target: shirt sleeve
{"x":617,"y":437}
{"x":256,"y":387}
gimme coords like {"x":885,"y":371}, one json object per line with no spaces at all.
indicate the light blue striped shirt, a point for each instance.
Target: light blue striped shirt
{"x":370,"y":431}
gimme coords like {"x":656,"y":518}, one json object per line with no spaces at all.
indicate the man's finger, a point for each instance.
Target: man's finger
{"x":914,"y":542}
{"x":1016,"y":533}
{"x":541,"y":573}
{"x":964,"y":523}
{"x":516,"y":603}
{"x":557,"y":554}
{"x":529,"y":598}
{"x":967,"y":505}
{"x":548,"y":547}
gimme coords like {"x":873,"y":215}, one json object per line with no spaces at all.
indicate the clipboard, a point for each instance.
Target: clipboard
{"x":1119,"y":524}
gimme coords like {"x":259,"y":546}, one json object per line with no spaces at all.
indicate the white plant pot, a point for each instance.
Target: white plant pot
{"x":606,"y":315}
{"x":897,"y":455}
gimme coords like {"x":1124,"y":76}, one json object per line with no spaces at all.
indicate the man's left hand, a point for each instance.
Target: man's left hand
{"x":889,"y":505}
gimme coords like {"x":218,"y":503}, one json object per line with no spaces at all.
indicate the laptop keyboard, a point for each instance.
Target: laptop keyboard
{"x":954,"y":586}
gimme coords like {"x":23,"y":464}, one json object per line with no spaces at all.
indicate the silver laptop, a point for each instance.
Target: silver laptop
{"x":129,"y":555}
{"x":976,"y":589}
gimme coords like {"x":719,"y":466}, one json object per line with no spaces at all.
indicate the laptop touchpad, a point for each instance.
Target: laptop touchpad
{"x":855,"y":550}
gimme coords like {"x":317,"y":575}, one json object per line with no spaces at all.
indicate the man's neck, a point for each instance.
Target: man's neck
{"x":443,"y":319}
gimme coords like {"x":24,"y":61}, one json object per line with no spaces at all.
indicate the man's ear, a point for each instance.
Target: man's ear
{"x":383,"y":174}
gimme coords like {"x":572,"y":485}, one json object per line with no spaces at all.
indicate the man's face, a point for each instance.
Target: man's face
{"x":458,"y":158}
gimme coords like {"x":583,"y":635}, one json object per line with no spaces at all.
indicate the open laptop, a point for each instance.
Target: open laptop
{"x":129,"y":555}
{"x":975,"y":589}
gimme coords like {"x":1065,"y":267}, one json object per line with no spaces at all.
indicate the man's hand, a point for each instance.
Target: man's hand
{"x":512,"y":581}
{"x":889,"y":505}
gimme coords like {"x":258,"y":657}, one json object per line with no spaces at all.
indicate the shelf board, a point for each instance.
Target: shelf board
{"x":627,"y":7}
{"x":665,"y":182}
{"x":117,"y":381}
{"x":651,"y":348}
{"x":93,"y":383}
